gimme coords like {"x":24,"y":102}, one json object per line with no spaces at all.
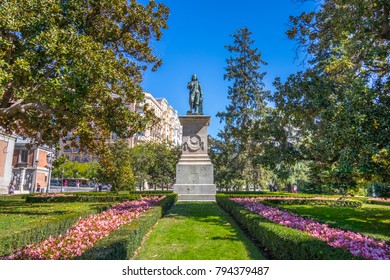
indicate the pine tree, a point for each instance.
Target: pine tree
{"x":246,"y":109}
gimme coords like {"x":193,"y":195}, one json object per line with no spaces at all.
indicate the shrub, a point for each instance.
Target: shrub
{"x":122,"y":243}
{"x":328,"y":202}
{"x":282,"y":242}
{"x":294,"y":199}
{"x":80,"y":198}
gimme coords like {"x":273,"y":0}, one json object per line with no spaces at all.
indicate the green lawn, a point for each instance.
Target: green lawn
{"x":370,"y":219}
{"x":198,"y":231}
{"x":17,"y":216}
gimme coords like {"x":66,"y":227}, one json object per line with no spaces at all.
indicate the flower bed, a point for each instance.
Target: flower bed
{"x":329,"y":201}
{"x":122,"y":243}
{"x":281,"y":242}
{"x":95,"y":197}
{"x":357,"y":244}
{"x":86,"y":232}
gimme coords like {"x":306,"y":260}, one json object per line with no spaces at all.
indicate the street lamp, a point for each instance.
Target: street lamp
{"x":76,"y":182}
{"x":62,"y":179}
{"x":36,"y":173}
{"x":49,"y":159}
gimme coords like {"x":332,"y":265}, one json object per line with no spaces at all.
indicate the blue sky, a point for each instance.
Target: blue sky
{"x":194,"y":43}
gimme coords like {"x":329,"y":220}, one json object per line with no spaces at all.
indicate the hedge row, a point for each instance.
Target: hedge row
{"x":300,"y":200}
{"x":82,"y":198}
{"x":282,"y":242}
{"x":122,"y":243}
{"x":42,"y":231}
{"x":151,"y":192}
{"x":328,"y":202}
{"x":377,"y":202}
{"x":257,"y":194}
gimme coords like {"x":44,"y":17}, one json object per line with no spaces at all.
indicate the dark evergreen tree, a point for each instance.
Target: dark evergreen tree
{"x":245,"y":112}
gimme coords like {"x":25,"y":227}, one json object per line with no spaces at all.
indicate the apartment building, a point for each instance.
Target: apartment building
{"x":24,"y":165}
{"x":168,"y":129}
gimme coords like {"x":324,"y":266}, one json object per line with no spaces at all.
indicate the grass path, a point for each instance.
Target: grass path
{"x":197,"y":231}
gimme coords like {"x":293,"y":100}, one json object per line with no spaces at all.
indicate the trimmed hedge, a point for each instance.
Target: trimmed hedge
{"x":296,"y":199}
{"x":377,"y":202}
{"x":268,"y":194}
{"x":81,"y":198}
{"x":122,"y":243}
{"x":282,"y":242}
{"x":43,"y":231}
{"x":151,"y":192}
{"x":328,"y":202}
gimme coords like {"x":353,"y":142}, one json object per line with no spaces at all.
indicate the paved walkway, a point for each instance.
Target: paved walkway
{"x":197,"y":231}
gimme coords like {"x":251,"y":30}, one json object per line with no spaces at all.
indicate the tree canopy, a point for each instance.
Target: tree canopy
{"x":233,"y":153}
{"x":335,"y":114}
{"x":69,"y":68}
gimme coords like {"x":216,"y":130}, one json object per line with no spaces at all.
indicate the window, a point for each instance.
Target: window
{"x":23,"y":156}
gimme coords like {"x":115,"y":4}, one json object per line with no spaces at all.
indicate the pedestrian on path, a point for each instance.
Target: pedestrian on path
{"x":11,"y":188}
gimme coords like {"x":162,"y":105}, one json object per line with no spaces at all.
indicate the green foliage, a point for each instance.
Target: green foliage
{"x":147,"y":193}
{"x":282,"y":243}
{"x":72,"y":66}
{"x":82,"y":198}
{"x":234,"y":151}
{"x":334,"y":116}
{"x":117,"y":167}
{"x":276,"y":198}
{"x":122,"y":243}
{"x":88,"y":170}
{"x":327,"y":202}
{"x":155,"y":163}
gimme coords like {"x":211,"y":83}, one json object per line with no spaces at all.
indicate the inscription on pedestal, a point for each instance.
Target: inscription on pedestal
{"x":195,"y":172}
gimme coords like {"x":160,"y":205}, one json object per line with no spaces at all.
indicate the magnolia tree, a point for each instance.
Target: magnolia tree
{"x":69,"y":68}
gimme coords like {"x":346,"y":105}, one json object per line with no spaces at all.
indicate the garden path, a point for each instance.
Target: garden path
{"x":197,"y":231}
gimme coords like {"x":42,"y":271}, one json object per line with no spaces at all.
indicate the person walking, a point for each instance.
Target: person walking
{"x":11,"y":188}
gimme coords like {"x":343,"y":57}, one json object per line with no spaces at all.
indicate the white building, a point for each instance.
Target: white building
{"x":7,"y":144}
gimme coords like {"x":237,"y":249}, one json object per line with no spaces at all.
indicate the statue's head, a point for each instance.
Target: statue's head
{"x":194,"y":78}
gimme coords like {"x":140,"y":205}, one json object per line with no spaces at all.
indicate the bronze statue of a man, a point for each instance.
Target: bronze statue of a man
{"x":196,"y":96}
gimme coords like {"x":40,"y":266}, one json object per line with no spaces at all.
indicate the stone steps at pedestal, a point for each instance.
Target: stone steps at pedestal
{"x":196,"y":197}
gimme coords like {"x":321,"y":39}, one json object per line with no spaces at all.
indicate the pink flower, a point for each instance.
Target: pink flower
{"x":357,"y":244}
{"x":85,"y":233}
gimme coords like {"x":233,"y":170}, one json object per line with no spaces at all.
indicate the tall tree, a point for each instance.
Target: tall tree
{"x":117,"y":168}
{"x":339,"y":107}
{"x":73,"y":66}
{"x":247,"y":106}
{"x":155,"y":163}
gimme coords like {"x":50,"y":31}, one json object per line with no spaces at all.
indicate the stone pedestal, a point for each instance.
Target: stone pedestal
{"x":195,"y":172}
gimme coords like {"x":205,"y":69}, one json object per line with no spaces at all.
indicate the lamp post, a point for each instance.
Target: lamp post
{"x":35,"y":178}
{"x":49,"y":159}
{"x":62,"y":179}
{"x":76,"y":182}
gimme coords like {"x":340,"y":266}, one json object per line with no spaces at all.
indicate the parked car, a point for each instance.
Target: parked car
{"x":103,"y":188}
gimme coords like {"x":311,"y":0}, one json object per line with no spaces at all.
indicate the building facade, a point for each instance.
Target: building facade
{"x":167,"y":130}
{"x":30,"y":169}
{"x":7,"y":144}
{"x":22,"y":164}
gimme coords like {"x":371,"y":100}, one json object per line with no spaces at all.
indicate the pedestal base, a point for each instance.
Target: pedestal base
{"x":194,"y":171}
{"x":195,"y":192}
